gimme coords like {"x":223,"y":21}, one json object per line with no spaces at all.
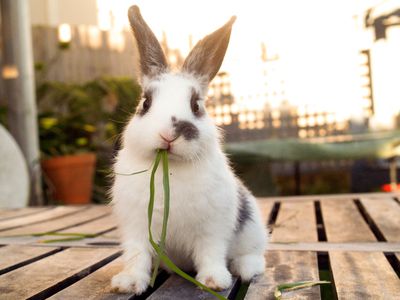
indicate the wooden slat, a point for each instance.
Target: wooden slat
{"x":337,"y":197}
{"x":61,"y":222}
{"x":176,"y":287}
{"x":6,"y":214}
{"x":36,"y":277}
{"x":95,"y":286}
{"x":296,"y":222}
{"x":93,"y":227}
{"x":386,"y":215}
{"x":285,"y":267}
{"x":265,"y":209}
{"x":344,"y":223}
{"x":327,"y":246}
{"x":16,"y":254}
{"x":364,"y":275}
{"x":57,"y":212}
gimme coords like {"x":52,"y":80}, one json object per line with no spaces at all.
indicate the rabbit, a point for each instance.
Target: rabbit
{"x":214,"y":226}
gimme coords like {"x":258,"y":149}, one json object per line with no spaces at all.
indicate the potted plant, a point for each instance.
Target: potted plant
{"x":77,"y":122}
{"x":67,"y":118}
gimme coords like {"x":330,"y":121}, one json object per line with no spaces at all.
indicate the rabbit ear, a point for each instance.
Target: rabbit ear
{"x":152,"y":58}
{"x":206,"y":57}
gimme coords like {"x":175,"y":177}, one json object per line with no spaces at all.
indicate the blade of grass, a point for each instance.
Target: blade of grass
{"x":77,"y":238}
{"x":150,"y":215}
{"x":71,"y":236}
{"x":162,"y":154}
{"x":181,"y":273}
{"x":76,"y":234}
{"x":164,"y":158}
{"x":130,"y":174}
{"x":292,"y":286}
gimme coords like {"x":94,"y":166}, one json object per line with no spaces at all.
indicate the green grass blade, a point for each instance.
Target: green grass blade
{"x":292,"y":286}
{"x":72,"y":234}
{"x":159,"y":248}
{"x":150,"y":214}
{"x":164,"y":157}
{"x":181,"y":273}
{"x":130,"y":174}
{"x":76,"y":238}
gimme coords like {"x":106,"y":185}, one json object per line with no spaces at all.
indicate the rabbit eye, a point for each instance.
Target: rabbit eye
{"x":146,"y":104}
{"x":194,"y":105}
{"x":196,"y":108}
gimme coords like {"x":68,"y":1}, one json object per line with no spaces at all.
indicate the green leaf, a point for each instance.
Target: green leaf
{"x":150,"y":214}
{"x":292,"y":286}
{"x":62,"y":240}
{"x":71,"y":236}
{"x":130,"y":174}
{"x":159,"y":248}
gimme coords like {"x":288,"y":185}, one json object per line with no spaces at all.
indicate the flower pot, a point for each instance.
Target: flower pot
{"x":71,"y":177}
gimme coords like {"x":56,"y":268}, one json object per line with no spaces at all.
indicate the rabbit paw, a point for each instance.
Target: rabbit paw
{"x":130,"y":283}
{"x":217,"y":279}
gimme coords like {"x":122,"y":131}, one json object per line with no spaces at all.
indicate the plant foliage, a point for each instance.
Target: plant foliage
{"x":76,"y":118}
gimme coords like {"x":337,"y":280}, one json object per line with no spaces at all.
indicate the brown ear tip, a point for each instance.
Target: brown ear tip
{"x":232,"y":20}
{"x":133,"y":11}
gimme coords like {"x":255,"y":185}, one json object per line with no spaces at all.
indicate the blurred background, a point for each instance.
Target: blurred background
{"x":308,"y":95}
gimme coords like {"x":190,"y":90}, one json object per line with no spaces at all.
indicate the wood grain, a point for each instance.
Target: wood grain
{"x":338,"y":197}
{"x":96,"y":226}
{"x":46,"y":215}
{"x":61,"y":222}
{"x":386,"y":215}
{"x":364,"y":275}
{"x":327,"y":246}
{"x":285,"y":267}
{"x":296,"y":222}
{"x":34,"y":278}
{"x":265,"y":209}
{"x":21,"y":212}
{"x":176,"y":287}
{"x":344,"y":223}
{"x":15,"y":254}
{"x":95,"y":286}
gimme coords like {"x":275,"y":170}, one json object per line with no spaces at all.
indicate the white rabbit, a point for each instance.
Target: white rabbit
{"x":214,"y":221}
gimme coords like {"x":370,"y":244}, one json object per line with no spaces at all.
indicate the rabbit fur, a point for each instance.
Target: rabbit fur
{"x":214,"y":224}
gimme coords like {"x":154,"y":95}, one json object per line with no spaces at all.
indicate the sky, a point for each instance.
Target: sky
{"x":317,"y":43}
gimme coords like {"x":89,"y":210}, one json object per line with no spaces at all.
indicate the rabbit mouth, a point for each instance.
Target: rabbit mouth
{"x":167,"y":146}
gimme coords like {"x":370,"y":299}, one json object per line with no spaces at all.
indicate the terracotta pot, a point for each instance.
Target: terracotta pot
{"x":71,"y":177}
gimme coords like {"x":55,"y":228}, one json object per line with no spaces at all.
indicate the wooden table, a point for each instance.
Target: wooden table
{"x":352,"y":240}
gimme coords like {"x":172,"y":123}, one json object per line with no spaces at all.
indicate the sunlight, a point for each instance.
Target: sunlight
{"x":304,"y":52}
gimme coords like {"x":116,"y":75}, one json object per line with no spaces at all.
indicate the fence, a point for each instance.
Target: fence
{"x":90,"y":53}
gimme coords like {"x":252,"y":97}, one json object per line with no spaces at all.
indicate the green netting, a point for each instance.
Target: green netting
{"x":362,"y":146}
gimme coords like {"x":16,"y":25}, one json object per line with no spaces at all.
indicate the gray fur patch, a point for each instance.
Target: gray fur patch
{"x":244,"y":213}
{"x":187,"y":129}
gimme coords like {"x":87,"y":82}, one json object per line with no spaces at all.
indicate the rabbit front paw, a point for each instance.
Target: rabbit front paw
{"x":130,"y":283}
{"x":217,"y":279}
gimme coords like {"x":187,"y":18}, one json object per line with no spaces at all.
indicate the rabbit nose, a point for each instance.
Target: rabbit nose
{"x":167,"y":141}
{"x":168,"y":138}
